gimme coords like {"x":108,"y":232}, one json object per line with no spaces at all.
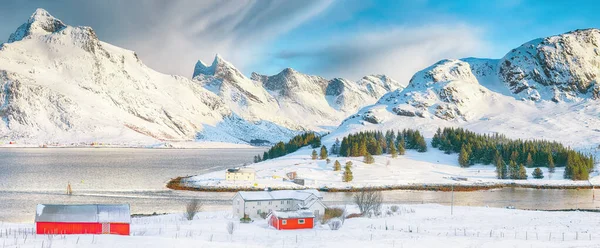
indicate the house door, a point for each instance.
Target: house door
{"x":105,"y":228}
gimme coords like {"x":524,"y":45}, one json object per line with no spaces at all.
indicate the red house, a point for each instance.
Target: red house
{"x":82,"y":219}
{"x":301,"y":219}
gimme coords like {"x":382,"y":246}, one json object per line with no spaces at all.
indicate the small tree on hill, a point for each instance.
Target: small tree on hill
{"x":347,"y":177}
{"x":337,"y":166}
{"x":537,"y":173}
{"x":314,"y":155}
{"x":401,"y":149}
{"x":463,"y":157}
{"x":393,"y":151}
{"x":501,"y":170}
{"x":368,"y":159}
{"x":328,"y":161}
{"x":348,"y":164}
{"x":550,"y":164}
{"x":529,"y":160}
{"x":323,"y":153}
{"x":522,"y":174}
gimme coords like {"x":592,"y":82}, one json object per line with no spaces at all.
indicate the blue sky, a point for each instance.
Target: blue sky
{"x":332,"y":38}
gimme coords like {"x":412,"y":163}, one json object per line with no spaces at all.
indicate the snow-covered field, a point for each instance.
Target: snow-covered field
{"x":432,"y":168}
{"x":410,"y":226}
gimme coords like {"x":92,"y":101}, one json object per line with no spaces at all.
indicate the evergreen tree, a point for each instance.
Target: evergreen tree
{"x":550,"y":163}
{"x":265,"y":156}
{"x":354,"y":152}
{"x":513,"y":170}
{"x":348,"y":164}
{"x":335,"y":148}
{"x":537,"y":173}
{"x":347,"y":177}
{"x":323,"y":153}
{"x":501,"y":172}
{"x":463,"y":157}
{"x":522,"y":175}
{"x":529,"y":160}
{"x":362,"y":148}
{"x":316,"y":142}
{"x":393,"y":151}
{"x":421,"y":144}
{"x":314,"y":155}
{"x":328,"y":160}
{"x":337,"y":166}
{"x":368,"y":159}
{"x":401,"y":150}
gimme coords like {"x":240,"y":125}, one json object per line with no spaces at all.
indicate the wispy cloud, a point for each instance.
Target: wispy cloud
{"x":396,"y":51}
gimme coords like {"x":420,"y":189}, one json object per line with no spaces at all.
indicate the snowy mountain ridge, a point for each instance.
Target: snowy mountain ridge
{"x":61,"y":85}
{"x":546,"y":88}
{"x":290,"y":98}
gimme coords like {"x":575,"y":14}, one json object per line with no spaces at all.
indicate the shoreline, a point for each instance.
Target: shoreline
{"x":178,"y":183}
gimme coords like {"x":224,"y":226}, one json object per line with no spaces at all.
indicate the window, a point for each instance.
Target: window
{"x":300,"y":221}
{"x":258,"y":203}
{"x":258,"y":211}
{"x":281,"y":202}
{"x":284,"y":222}
{"x":270,"y":203}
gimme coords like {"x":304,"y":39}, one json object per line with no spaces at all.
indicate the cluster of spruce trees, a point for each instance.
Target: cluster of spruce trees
{"x":511,"y":156}
{"x":377,"y":143}
{"x":298,"y":141}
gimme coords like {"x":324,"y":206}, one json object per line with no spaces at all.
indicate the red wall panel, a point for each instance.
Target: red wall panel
{"x":79,"y":228}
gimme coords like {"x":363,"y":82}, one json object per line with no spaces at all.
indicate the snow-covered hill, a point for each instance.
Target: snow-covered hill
{"x":545,"y":89}
{"x":60,"y":84}
{"x":291,"y":99}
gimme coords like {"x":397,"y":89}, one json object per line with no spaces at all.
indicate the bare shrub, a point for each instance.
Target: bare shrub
{"x":335,"y":224}
{"x":394,"y":208}
{"x":331,"y":213}
{"x":230,"y":227}
{"x":192,"y":208}
{"x":264,"y":215}
{"x":369,"y":201}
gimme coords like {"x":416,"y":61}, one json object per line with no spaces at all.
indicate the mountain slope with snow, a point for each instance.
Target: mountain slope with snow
{"x":291,"y":99}
{"x":544,"y":89}
{"x":60,"y":84}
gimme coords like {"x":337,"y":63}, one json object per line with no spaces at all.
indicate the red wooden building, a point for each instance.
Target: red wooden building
{"x":287,"y":220}
{"x":82,"y":219}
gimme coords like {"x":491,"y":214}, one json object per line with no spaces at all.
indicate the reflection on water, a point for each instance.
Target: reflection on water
{"x":138,"y":177}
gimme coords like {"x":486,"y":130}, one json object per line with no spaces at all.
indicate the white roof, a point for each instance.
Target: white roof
{"x":241,"y":170}
{"x":90,"y":213}
{"x":278,"y":195}
{"x":293,"y":214}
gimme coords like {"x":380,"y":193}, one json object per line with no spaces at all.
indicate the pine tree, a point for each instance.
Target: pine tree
{"x":362,"y":148}
{"x":393,"y":151}
{"x":550,"y":163}
{"x":348,"y":164}
{"x":401,"y":150}
{"x":537,"y":173}
{"x":522,"y":175}
{"x":421,"y":144}
{"x":463,"y":157}
{"x":314,"y":155}
{"x":347,"y":177}
{"x":323,"y":153}
{"x":354,"y":152}
{"x":265,"y":156}
{"x":368,"y":159}
{"x":513,"y":170}
{"x":337,"y":166}
{"x":501,"y":172}
{"x":328,"y":160}
{"x":529,"y":160}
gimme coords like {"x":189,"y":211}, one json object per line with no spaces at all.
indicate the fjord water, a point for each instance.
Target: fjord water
{"x":138,"y":177}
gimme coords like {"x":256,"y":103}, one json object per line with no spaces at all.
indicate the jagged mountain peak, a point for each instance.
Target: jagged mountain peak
{"x":40,"y":22}
{"x":219,"y":66}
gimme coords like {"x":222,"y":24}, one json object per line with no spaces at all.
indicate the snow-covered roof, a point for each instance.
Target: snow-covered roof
{"x":293,"y":214}
{"x":241,"y":170}
{"x":278,"y":195}
{"x":115,"y":213}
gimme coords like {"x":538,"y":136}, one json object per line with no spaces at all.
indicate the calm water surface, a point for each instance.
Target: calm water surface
{"x":138,"y":177}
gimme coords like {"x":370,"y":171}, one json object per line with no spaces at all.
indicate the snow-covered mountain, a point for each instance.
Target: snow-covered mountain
{"x":291,"y":99}
{"x":546,"y":88}
{"x":61,"y":84}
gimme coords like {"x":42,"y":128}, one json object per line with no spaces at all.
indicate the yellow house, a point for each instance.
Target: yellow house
{"x":240,"y":174}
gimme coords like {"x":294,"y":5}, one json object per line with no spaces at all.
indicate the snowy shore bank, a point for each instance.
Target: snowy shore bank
{"x":410,"y":226}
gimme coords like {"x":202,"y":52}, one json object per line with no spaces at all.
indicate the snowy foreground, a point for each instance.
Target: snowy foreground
{"x":430,"y":168}
{"x":410,"y":226}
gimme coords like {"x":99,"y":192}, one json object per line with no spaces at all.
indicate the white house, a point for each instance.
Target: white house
{"x":240,"y":174}
{"x":254,"y":203}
